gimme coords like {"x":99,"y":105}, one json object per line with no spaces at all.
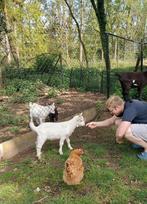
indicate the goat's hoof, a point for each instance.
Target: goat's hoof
{"x":38,"y":158}
{"x":61,"y":153}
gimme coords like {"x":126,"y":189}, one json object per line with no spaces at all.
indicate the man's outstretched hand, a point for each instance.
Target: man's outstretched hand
{"x":91,"y":125}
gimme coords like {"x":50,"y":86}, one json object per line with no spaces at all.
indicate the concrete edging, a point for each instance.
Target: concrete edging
{"x":10,"y":148}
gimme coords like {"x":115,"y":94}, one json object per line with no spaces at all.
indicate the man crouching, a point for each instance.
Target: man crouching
{"x":131,"y":120}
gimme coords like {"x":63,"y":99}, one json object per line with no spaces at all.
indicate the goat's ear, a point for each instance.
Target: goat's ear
{"x":81,"y":114}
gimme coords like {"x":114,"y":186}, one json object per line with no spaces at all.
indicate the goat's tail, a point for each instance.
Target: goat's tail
{"x":30,"y":104}
{"x":32,"y":126}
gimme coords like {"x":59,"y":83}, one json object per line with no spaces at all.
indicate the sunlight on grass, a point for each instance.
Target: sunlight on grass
{"x":115,"y":181}
{"x":9,"y":192}
{"x":75,"y":199}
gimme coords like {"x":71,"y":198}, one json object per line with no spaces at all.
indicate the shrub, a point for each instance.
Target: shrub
{"x":22,"y":90}
{"x":14,"y":129}
{"x":53,"y":92}
{"x":45,"y":62}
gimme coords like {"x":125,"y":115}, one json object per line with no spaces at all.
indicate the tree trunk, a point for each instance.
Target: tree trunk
{"x":101,"y":18}
{"x":8,"y":51}
{"x":137,"y":63}
{"x":17,"y":48}
{"x":81,"y":29}
{"x":115,"y":50}
{"x":9,"y":34}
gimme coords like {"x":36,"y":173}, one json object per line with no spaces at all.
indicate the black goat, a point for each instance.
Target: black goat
{"x":53,"y":116}
{"x":130,"y":80}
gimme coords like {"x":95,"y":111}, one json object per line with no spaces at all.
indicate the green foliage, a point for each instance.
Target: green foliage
{"x":24,"y":86}
{"x":56,"y":81}
{"x":9,"y":120}
{"x":18,"y":85}
{"x":14,"y":129}
{"x":144,"y":94}
{"x":43,"y":32}
{"x":26,"y":96}
{"x":45,"y":62}
{"x":53,"y":92}
{"x":7,"y":117}
{"x":82,"y":79}
{"x":81,"y":89}
{"x":22,"y":90}
{"x":117,"y":91}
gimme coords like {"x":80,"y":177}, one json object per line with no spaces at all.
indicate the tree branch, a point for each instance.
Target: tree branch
{"x":94,"y":5}
{"x":79,"y":31}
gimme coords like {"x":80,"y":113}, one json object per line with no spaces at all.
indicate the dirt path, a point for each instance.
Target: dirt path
{"x":68,"y":103}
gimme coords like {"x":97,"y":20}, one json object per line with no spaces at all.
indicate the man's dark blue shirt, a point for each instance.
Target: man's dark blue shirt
{"x":135,"y":111}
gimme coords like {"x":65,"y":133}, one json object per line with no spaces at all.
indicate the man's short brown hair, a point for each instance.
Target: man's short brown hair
{"x":114,"y":101}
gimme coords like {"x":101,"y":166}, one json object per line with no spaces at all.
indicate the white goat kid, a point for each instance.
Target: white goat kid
{"x":53,"y":131}
{"x":40,"y":113}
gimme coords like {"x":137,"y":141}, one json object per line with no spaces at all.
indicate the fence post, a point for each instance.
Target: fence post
{"x":61,"y":66}
{"x":108,"y":71}
{"x":70,"y":79}
{"x":141,"y":54}
{"x":102,"y":81}
{"x":1,"y":76}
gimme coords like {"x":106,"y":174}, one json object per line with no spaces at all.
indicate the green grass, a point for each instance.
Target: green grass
{"x":113,"y":175}
{"x":12,"y":121}
{"x":8,"y":117}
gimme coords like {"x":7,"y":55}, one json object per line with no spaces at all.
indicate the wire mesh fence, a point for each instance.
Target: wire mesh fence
{"x":127,"y":53}
{"x":86,"y":79}
{"x":50,"y":69}
{"x":80,"y":79}
{"x":123,"y":51}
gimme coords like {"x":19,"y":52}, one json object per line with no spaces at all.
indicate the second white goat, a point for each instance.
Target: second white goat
{"x":40,"y":113}
{"x":54,"y":131}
